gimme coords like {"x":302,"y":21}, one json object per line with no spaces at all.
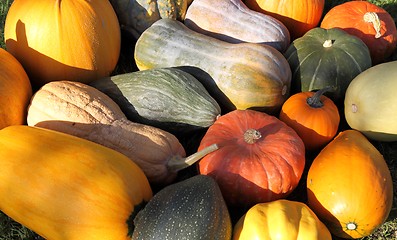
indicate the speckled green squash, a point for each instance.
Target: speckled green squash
{"x":137,"y":15}
{"x":238,"y":76}
{"x":191,"y":209}
{"x":326,"y":58}
{"x":168,"y":98}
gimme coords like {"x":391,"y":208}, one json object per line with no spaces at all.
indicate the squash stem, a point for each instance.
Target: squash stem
{"x":314,"y":101}
{"x":177,"y":163}
{"x":372,"y":17}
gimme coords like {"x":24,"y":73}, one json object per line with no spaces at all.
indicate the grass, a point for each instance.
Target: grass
{"x":10,"y":230}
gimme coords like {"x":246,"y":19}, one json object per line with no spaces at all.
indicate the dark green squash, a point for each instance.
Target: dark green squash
{"x":326,"y":58}
{"x":168,"y":98}
{"x":191,"y":209}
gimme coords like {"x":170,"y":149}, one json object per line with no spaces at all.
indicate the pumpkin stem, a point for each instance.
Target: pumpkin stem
{"x":328,"y":43}
{"x":372,"y":17}
{"x":178,"y":163}
{"x":251,"y":136}
{"x":315,"y":101}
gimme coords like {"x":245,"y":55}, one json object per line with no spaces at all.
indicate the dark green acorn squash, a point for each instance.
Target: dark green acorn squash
{"x":168,"y":98}
{"x":326,"y":58}
{"x":191,"y":209}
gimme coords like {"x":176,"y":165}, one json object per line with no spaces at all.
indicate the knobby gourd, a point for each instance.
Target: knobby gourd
{"x":81,"y":110}
{"x":349,"y":186}
{"x":238,"y":76}
{"x":191,"y":209}
{"x":370,"y":104}
{"x":74,"y":40}
{"x":168,"y":98}
{"x":15,"y":91}
{"x":64,"y":187}
{"x":218,"y":19}
{"x":259,"y":159}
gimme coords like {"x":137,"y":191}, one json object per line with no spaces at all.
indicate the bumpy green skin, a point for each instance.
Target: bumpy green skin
{"x":167,"y":98}
{"x":137,"y":15}
{"x":315,"y":67}
{"x":187,"y":210}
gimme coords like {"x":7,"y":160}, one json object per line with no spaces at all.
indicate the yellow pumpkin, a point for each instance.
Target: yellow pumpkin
{"x":65,"y":187}
{"x":63,"y":40}
{"x":15,"y":91}
{"x":280,"y":219}
{"x":349,"y":186}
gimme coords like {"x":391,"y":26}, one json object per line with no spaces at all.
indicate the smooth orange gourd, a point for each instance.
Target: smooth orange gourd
{"x":349,"y":186}
{"x":63,"y":40}
{"x":314,"y":116}
{"x":371,"y":23}
{"x":15,"y":91}
{"x":299,"y":16}
{"x":65,"y":187}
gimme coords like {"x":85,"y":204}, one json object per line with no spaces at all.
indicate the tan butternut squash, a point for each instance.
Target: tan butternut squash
{"x":83,"y":111}
{"x":233,"y":21}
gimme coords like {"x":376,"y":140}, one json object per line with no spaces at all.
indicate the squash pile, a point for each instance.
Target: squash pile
{"x":236,"y":119}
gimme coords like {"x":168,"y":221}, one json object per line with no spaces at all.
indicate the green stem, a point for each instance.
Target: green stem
{"x":315,"y":101}
{"x":177,"y":163}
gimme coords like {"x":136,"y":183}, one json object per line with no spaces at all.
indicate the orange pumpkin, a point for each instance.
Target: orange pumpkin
{"x":15,"y":91}
{"x":259,"y":159}
{"x":349,"y":186}
{"x":313,"y":116}
{"x":371,"y":23}
{"x":299,"y":16}
{"x":63,"y":40}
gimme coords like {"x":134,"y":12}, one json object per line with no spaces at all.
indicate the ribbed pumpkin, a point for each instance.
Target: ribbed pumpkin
{"x":218,"y":19}
{"x":238,"y":76}
{"x":168,"y":98}
{"x":83,"y":111}
{"x":63,"y":40}
{"x":326,"y":58}
{"x":299,"y":16}
{"x":136,"y":16}
{"x":313,"y":116}
{"x":349,"y":186}
{"x":280,"y":219}
{"x":371,"y":102}
{"x":64,"y":187}
{"x":259,"y":159}
{"x":371,"y":23}
{"x":15,"y":91}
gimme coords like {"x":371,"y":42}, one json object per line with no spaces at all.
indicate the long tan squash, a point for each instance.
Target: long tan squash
{"x":67,"y":188}
{"x":238,"y":76}
{"x":233,"y":21}
{"x":81,"y":110}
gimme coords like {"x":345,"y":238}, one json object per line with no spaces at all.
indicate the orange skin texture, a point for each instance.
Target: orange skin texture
{"x":315,"y":125}
{"x":299,"y":16}
{"x":249,"y":173}
{"x":349,"y":185}
{"x":74,"y":40}
{"x":349,"y":17}
{"x":15,"y":91}
{"x":64,"y":187}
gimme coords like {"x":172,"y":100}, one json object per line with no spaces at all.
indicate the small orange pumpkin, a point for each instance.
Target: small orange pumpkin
{"x":15,"y":91}
{"x":299,"y":16}
{"x":314,"y":116}
{"x":371,"y":23}
{"x":74,"y":40}
{"x":349,"y":186}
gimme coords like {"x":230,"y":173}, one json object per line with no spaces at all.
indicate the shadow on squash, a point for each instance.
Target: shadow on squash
{"x":37,"y":72}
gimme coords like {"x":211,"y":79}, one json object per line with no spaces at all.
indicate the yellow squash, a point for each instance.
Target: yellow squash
{"x":280,"y":219}
{"x":65,"y":188}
